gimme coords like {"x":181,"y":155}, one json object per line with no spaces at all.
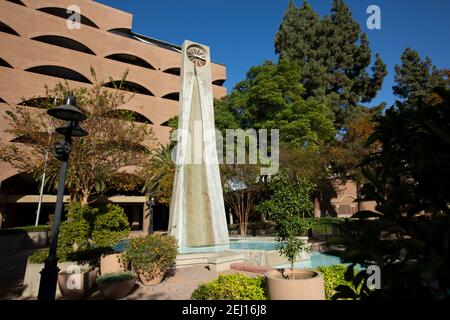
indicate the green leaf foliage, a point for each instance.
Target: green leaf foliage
{"x":271,"y":97}
{"x":333,"y":277}
{"x":110,"y":226}
{"x":333,"y":54}
{"x":88,"y":231}
{"x":288,"y":206}
{"x":409,"y":236}
{"x":232,"y":287}
{"x":152,"y":254}
{"x":116,"y":277}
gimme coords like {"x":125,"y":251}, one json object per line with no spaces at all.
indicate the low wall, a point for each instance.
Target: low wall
{"x":11,"y":244}
{"x":33,"y":277}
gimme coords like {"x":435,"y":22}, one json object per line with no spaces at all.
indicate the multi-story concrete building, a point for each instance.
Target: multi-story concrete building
{"x":40,"y":46}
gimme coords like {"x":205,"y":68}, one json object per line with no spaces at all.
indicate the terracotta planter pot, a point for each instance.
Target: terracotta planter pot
{"x":151,"y":280}
{"x":117,"y":289}
{"x":307,"y":285}
{"x":110,"y":263}
{"x":76,"y":286}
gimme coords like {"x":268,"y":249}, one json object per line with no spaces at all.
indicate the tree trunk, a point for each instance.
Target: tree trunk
{"x":84,"y":200}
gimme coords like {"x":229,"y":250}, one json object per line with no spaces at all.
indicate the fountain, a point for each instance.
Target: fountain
{"x":197,"y":213}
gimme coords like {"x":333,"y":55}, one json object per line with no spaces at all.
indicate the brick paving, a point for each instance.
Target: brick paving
{"x":178,"y":285}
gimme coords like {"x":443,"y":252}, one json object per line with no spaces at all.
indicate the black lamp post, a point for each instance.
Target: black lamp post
{"x":150,"y":202}
{"x":69,"y":113}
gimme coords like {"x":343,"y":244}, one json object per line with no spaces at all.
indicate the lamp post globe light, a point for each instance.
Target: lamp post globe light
{"x":69,"y":113}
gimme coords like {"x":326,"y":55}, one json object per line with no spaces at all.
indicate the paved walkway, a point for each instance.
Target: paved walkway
{"x":12,"y":272}
{"x":177,"y":286}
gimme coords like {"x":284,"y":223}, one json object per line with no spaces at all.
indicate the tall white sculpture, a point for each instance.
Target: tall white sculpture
{"x":197,"y":213}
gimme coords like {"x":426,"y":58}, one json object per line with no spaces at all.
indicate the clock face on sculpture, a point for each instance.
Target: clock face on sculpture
{"x":196,"y":55}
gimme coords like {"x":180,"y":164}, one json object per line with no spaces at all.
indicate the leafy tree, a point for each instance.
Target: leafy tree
{"x":347,"y":153}
{"x":333,"y":54}
{"x":288,"y":206}
{"x":415,"y":78}
{"x":114,"y":142}
{"x":241,"y":185}
{"x":87,"y":228}
{"x":408,"y":236}
{"x":271,"y":98}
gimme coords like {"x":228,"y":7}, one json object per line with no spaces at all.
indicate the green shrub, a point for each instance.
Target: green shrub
{"x":89,"y":256}
{"x":333,"y":276}
{"x":75,"y":232}
{"x":19,"y":230}
{"x":110,"y":226}
{"x":38,"y":256}
{"x":151,"y":254}
{"x":232,"y":287}
{"x":116,"y":277}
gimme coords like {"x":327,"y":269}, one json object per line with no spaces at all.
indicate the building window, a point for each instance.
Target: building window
{"x":175,"y":96}
{"x":43,"y":103}
{"x":129,"y":115}
{"x":174,"y":71}
{"x":59,"y":72}
{"x":219,"y":82}
{"x":62,"y":13}
{"x":7,"y":29}
{"x":20,"y":3}
{"x":64,"y":43}
{"x":128,"y":86}
{"x":5,"y":64}
{"x":130,"y":59}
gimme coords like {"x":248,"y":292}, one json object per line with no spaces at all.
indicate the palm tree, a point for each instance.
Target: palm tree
{"x":158,"y":174}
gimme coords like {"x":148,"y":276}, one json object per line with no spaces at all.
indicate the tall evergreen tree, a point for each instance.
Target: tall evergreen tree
{"x":334,"y":55}
{"x":415,"y":78}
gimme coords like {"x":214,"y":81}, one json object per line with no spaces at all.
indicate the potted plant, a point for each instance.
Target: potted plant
{"x":77,"y":281}
{"x":116,"y":285}
{"x":151,"y":257}
{"x":287,"y":207}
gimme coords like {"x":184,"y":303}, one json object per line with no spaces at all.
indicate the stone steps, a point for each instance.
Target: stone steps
{"x":217,"y":261}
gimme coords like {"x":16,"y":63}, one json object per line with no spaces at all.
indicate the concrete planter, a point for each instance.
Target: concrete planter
{"x":11,"y":243}
{"x":76,"y":286}
{"x":37,"y":239}
{"x":308,"y":285}
{"x":116,"y":289}
{"x":33,"y":277}
{"x":111,"y":263}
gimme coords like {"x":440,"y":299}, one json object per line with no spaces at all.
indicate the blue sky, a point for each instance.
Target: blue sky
{"x":241,"y":32}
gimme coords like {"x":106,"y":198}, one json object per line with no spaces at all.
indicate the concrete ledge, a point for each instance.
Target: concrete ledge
{"x":223,"y":261}
{"x":250,"y":268}
{"x":216,"y":261}
{"x":33,"y":276}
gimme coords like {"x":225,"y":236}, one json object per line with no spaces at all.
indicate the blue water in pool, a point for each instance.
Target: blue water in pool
{"x":317,"y":259}
{"x":234,"y":245}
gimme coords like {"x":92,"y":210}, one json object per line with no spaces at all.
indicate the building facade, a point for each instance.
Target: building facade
{"x":42,"y":44}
